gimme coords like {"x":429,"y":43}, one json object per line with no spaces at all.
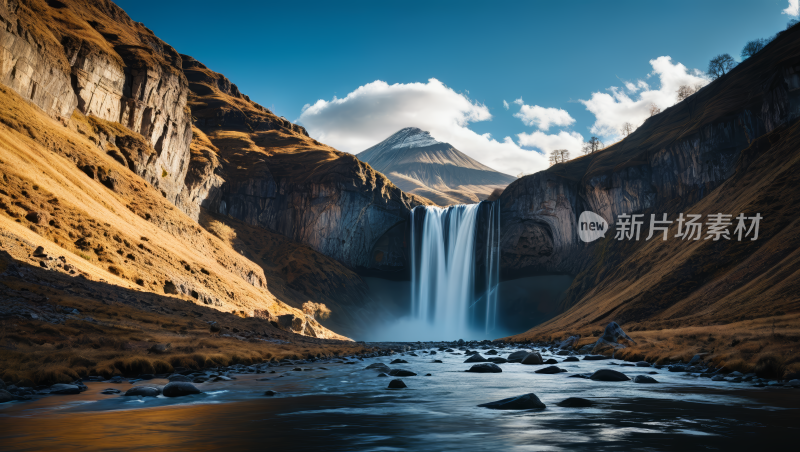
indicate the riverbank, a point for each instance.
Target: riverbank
{"x":341,"y":404}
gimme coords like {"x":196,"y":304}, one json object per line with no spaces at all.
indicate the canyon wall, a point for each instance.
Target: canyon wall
{"x":673,"y":160}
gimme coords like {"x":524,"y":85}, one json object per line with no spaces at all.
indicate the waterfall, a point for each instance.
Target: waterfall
{"x":455,"y":268}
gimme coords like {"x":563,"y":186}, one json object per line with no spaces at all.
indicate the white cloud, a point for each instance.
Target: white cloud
{"x":617,"y":107}
{"x":793,"y":9}
{"x":376,"y":110}
{"x":543,"y":118}
{"x":519,"y":101}
{"x":572,"y":141}
{"x":505,"y":104}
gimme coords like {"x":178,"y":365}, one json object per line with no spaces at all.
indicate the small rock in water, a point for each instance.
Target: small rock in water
{"x":793,"y":383}
{"x":717,"y":378}
{"x":270,"y":393}
{"x":142,"y":391}
{"x":401,"y":373}
{"x":575,"y":402}
{"x":485,"y":368}
{"x":643,"y":364}
{"x":64,"y":389}
{"x":549,"y":370}
{"x":533,"y":358}
{"x":571,"y":359}
{"x":550,"y":361}
{"x":523,"y":402}
{"x":595,"y":357}
{"x":437,"y":361}
{"x":498,"y":360}
{"x":382,"y":375}
{"x":179,"y":389}
{"x":644,"y":379}
{"x":609,"y":375}
{"x":178,"y":377}
{"x":428,"y":375}
{"x":476,"y":358}
{"x":399,"y":361}
{"x":491,"y":352}
{"x":108,"y":391}
{"x":517,"y":356}
{"x":397,"y":384}
{"x":379,"y":366}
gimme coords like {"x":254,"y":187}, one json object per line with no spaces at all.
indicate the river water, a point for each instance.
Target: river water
{"x":335,"y":406}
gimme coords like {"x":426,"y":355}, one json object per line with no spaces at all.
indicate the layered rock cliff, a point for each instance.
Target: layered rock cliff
{"x":675,"y":162}
{"x":90,"y":56}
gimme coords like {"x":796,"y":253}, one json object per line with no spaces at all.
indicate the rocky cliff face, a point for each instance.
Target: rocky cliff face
{"x":274,"y":176}
{"x":91,"y":56}
{"x":674,"y":163}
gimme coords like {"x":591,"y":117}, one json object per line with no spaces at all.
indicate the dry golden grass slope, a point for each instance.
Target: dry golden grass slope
{"x":82,"y":203}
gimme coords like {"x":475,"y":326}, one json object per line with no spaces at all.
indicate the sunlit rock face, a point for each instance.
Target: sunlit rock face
{"x":673,"y":160}
{"x":98,"y":61}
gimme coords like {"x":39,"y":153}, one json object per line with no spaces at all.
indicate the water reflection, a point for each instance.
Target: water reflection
{"x":348,"y":408}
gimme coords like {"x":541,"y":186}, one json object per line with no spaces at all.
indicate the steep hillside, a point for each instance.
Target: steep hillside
{"x":273,"y":175}
{"x":730,"y":148}
{"x":419,"y":164}
{"x":63,"y":191}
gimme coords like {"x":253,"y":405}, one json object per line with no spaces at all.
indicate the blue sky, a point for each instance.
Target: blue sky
{"x":286,"y":55}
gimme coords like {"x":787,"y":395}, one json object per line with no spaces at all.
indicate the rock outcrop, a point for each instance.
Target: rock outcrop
{"x":91,"y":56}
{"x":707,"y":154}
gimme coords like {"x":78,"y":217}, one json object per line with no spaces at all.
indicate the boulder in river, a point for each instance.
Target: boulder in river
{"x":595,"y":357}
{"x":6,"y":396}
{"x":533,"y":358}
{"x":497,"y":360}
{"x":575,"y":402}
{"x":549,"y":370}
{"x":378,"y":366}
{"x":611,"y":336}
{"x":570,"y":342}
{"x":399,"y":361}
{"x":551,"y":361}
{"x":64,"y":389}
{"x":485,"y":368}
{"x":518,"y":356}
{"x":571,"y":359}
{"x":143,"y":391}
{"x":397,"y":384}
{"x":643,"y":364}
{"x":476,"y":358}
{"x":401,"y":373}
{"x":644,"y":379}
{"x":609,"y":375}
{"x":179,"y":377}
{"x":179,"y":389}
{"x":523,"y":402}
{"x":439,"y":361}
{"x":382,"y":375}
{"x":270,"y":393}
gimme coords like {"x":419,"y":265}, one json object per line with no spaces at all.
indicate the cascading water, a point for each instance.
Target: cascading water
{"x":455,"y":269}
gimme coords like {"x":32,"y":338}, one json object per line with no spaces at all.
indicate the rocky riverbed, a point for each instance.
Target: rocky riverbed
{"x":412,"y":396}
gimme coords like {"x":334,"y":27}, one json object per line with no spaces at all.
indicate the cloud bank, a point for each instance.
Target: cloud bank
{"x":632,"y":103}
{"x":373,"y":112}
{"x":793,"y":9}
{"x":543,"y":118}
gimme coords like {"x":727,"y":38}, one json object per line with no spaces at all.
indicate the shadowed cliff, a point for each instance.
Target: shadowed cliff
{"x":729,"y":148}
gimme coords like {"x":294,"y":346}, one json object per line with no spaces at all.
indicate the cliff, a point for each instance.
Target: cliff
{"x":719,"y":151}
{"x":273,"y":175}
{"x":90,"y":56}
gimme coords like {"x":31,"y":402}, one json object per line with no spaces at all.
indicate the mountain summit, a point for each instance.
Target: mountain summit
{"x":417,"y":163}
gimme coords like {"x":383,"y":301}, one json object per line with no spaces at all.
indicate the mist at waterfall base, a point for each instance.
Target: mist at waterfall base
{"x":454,"y":292}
